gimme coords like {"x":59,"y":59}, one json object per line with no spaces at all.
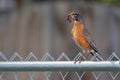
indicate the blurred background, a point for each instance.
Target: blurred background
{"x":41,"y":26}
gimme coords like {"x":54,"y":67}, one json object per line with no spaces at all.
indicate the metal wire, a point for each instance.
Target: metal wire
{"x":67,"y":66}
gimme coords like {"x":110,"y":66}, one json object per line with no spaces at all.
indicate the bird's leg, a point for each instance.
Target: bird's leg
{"x":87,"y":54}
{"x":80,"y":59}
{"x":83,"y":58}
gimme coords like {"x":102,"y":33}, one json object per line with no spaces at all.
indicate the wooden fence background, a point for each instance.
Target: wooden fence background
{"x":43,"y":27}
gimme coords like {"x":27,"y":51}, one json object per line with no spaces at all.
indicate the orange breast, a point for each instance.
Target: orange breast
{"x":78,"y":36}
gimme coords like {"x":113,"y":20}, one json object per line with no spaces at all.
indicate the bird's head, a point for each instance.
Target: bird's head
{"x":73,"y":16}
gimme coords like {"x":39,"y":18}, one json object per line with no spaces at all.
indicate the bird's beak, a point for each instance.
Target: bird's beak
{"x":70,"y":17}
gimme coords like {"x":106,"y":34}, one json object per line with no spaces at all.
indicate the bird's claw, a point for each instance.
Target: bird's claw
{"x":79,"y":60}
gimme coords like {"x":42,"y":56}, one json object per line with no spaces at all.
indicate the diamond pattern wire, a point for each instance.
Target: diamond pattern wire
{"x":53,"y":75}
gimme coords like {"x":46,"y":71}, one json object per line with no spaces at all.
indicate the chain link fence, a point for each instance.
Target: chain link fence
{"x":43,"y":27}
{"x":62,"y":75}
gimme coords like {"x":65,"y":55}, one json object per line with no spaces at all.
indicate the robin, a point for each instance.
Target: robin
{"x":82,"y":37}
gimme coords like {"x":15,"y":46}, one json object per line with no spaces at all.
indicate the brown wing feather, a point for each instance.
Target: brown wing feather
{"x":89,"y":39}
{"x":92,"y":44}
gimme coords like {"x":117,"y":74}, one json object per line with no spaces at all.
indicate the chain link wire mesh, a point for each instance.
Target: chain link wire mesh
{"x":55,"y":75}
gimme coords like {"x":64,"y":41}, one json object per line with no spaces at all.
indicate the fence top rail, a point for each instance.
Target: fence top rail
{"x":59,"y":66}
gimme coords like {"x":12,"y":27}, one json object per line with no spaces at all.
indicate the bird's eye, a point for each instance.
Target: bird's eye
{"x":76,"y":14}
